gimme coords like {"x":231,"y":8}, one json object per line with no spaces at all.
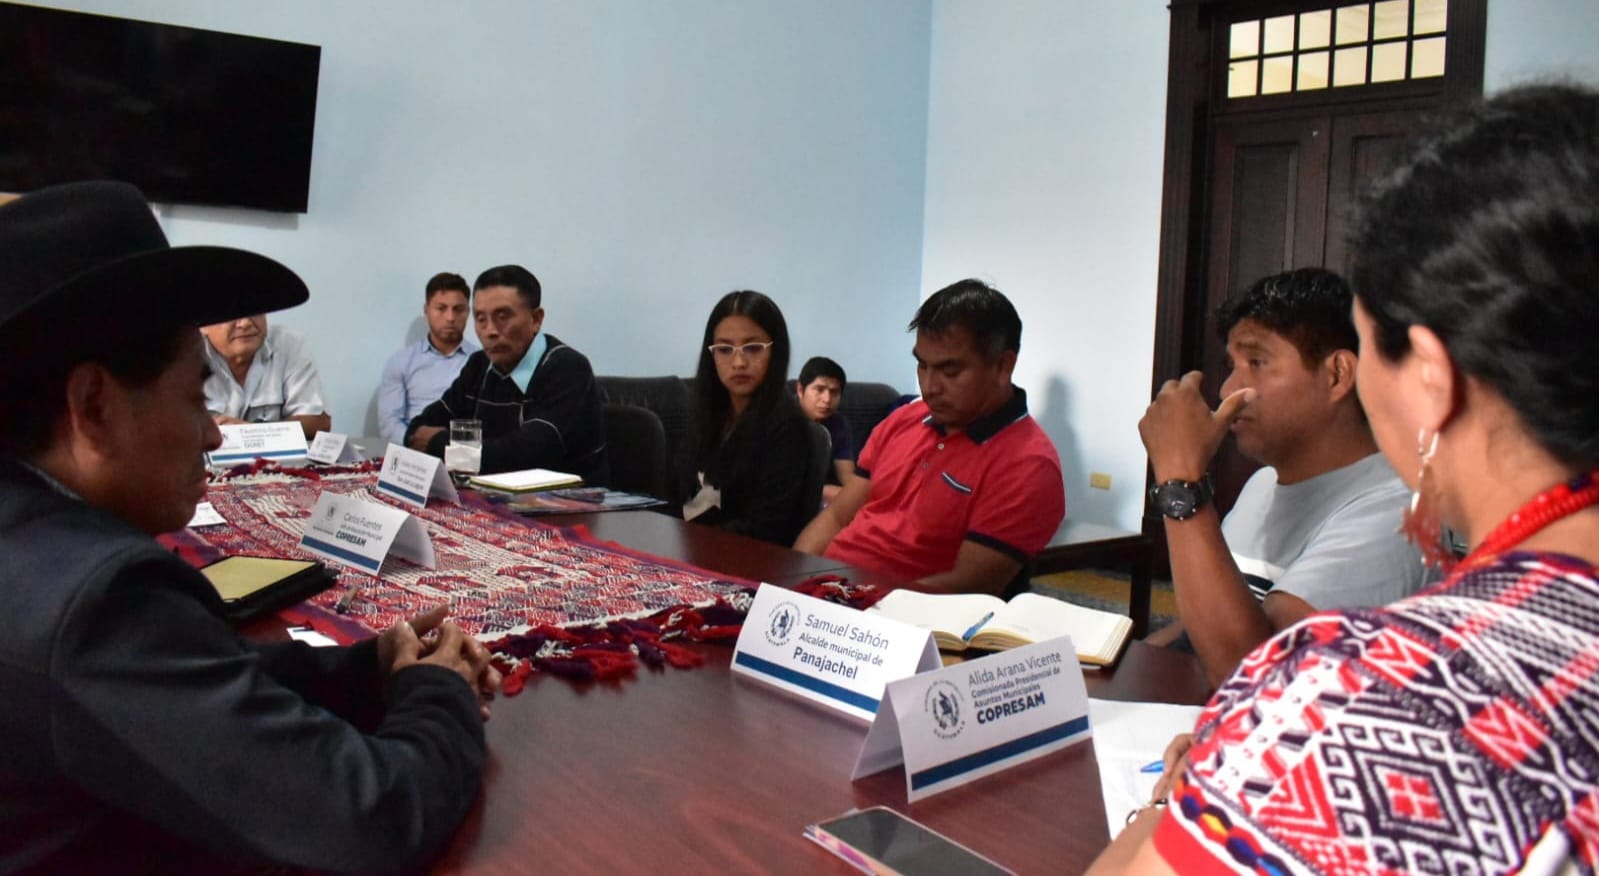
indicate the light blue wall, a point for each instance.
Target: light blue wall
{"x":1044,"y":150}
{"x":1044,"y":164}
{"x":1532,"y":39}
{"x":641,"y":157}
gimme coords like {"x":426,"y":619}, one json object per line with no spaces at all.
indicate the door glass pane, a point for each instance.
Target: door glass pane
{"x":1313,"y":71}
{"x":1241,"y":78}
{"x":1353,"y":24}
{"x":1349,"y":66}
{"x":1390,"y":19}
{"x":1388,"y":62}
{"x":1432,"y":16}
{"x":1279,"y":35}
{"x":1315,"y":29}
{"x":1427,"y":58}
{"x":1277,"y":76}
{"x":1244,"y":39}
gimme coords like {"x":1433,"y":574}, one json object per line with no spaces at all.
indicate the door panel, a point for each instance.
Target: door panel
{"x":1268,"y":215}
{"x":1362,"y":146}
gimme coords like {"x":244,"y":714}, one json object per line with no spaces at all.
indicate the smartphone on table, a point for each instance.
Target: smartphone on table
{"x":883,"y":842}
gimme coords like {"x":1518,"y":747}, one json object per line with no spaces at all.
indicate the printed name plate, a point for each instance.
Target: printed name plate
{"x":413,"y":476}
{"x":360,"y":534}
{"x":242,"y":442}
{"x":332,"y":448}
{"x":830,"y":654}
{"x":975,"y":718}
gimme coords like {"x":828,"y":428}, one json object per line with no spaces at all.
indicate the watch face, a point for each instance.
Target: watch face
{"x":1178,"y":500}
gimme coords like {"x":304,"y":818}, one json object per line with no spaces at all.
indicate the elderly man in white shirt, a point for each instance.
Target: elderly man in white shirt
{"x":262,"y":375}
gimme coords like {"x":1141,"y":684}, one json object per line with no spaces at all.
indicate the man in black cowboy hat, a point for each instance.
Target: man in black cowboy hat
{"x":137,"y":731}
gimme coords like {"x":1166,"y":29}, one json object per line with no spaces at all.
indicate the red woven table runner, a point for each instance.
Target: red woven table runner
{"x":501,"y":574}
{"x":542,"y":597}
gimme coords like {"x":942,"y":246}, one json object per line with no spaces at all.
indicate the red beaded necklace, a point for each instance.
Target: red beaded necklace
{"x":1558,"y":501}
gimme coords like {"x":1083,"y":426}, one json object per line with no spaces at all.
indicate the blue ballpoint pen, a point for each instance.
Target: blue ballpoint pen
{"x":1154,"y":766}
{"x":972,"y":630}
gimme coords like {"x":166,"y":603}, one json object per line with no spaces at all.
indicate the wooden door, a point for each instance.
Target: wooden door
{"x":1284,"y":188}
{"x":1268,"y":214}
{"x":1362,"y":145}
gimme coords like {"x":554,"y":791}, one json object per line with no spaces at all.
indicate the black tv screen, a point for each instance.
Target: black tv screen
{"x":190,"y":116}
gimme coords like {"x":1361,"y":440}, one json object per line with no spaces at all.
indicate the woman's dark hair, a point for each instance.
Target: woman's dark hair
{"x":1487,"y":233}
{"x":714,"y":406}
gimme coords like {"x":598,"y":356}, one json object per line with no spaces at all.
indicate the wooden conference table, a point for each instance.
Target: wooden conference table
{"x":696,"y":771}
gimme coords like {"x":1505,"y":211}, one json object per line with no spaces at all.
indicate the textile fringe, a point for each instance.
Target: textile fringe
{"x":612,"y":651}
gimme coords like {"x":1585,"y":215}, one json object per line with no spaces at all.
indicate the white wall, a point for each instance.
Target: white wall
{"x":1045,"y":133}
{"x":642,"y":158}
{"x":1531,"y":39}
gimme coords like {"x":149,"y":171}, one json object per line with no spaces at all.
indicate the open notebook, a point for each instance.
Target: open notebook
{"x":977,"y":620}
{"x":526,"y":480}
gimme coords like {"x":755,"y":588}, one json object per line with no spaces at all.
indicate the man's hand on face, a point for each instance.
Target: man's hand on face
{"x":1181,"y":432}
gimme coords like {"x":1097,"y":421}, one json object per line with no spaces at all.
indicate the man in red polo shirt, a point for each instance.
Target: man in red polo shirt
{"x":959,"y":489}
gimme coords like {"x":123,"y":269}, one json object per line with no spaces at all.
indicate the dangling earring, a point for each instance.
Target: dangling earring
{"x":1422,"y":527}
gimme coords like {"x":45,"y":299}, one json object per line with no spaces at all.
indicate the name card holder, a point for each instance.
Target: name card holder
{"x":360,"y":534}
{"x":829,"y":654}
{"x":975,"y":718}
{"x":243,"y":442}
{"x":332,"y":448}
{"x":205,"y":514}
{"x":413,"y":477}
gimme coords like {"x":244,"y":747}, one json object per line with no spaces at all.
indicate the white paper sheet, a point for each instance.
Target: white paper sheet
{"x":1127,"y":737}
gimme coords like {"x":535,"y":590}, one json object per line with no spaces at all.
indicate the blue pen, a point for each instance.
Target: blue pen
{"x":1154,"y":766}
{"x":972,"y":630}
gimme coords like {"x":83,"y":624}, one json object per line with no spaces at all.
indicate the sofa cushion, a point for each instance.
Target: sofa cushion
{"x":670,"y":398}
{"x":864,"y":406}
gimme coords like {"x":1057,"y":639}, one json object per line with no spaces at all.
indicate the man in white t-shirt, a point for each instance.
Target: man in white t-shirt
{"x":1317,"y":527}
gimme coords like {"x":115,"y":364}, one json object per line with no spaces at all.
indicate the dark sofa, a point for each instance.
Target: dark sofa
{"x":671,"y":399}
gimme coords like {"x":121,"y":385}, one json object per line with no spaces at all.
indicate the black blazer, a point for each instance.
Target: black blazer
{"x":766,"y":499}
{"x":138,"y":732}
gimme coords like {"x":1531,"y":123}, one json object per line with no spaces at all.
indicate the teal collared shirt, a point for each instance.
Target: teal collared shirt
{"x":522,"y":374}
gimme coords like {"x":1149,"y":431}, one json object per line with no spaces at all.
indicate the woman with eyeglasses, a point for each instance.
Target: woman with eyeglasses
{"x":743,"y":466}
{"x":1456,"y":730}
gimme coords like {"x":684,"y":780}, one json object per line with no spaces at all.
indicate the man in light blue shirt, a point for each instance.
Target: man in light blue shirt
{"x":419,"y":373}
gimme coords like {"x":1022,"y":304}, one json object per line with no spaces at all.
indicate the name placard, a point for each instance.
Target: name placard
{"x":830,"y":654}
{"x":359,"y":534}
{"x":975,"y":718}
{"x":242,"y":442}
{"x":206,"y":515}
{"x":332,"y":448}
{"x":412,"y":476}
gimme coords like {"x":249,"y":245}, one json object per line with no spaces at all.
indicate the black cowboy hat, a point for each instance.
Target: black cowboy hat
{"x":87,"y":262}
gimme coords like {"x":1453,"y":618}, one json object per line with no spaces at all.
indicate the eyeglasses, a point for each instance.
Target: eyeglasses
{"x":750,"y":351}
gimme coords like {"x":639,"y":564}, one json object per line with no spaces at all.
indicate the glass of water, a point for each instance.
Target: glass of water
{"x":464,"y":454}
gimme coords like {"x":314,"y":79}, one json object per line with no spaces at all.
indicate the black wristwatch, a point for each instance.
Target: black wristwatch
{"x":1180,"y":500}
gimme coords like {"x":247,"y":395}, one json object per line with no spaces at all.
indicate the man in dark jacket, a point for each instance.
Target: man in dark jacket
{"x":535,"y":396}
{"x":138,"y":731}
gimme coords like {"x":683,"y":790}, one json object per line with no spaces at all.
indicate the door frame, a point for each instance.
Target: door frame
{"x":1195,"y":102}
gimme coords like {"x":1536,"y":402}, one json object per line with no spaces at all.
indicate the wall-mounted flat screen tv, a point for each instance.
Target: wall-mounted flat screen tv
{"x":190,"y":116}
